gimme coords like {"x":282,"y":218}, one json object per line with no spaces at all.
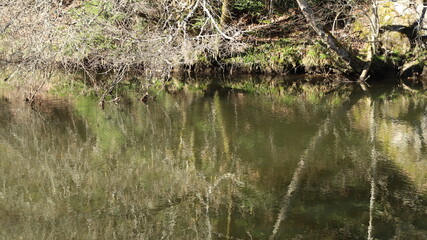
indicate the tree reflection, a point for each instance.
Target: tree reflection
{"x":220,"y":167}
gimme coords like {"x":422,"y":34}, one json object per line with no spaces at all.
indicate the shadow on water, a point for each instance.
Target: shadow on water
{"x":220,"y":166}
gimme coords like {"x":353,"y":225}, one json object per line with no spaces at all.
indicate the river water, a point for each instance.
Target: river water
{"x":217,"y":165}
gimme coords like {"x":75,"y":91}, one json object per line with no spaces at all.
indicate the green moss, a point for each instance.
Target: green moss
{"x":286,"y":55}
{"x":277,"y":56}
{"x":203,"y":59}
{"x":96,"y":10}
{"x":319,"y":58}
{"x":361,"y":29}
{"x":386,"y":13}
{"x":396,"y":42}
{"x":254,"y":7}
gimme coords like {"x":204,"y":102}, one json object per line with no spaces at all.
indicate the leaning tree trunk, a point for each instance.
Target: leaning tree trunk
{"x":355,"y":63}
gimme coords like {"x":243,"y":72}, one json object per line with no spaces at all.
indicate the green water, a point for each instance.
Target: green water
{"x":344,"y":165}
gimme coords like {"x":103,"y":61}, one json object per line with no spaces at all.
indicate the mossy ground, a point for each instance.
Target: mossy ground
{"x":286,"y":56}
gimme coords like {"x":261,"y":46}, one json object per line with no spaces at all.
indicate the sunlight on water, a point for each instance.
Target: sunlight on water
{"x":346,"y":165}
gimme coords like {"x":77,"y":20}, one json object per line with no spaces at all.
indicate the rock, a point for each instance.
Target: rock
{"x":399,"y":19}
{"x":424,"y":78}
{"x":400,"y":12}
{"x":396,"y":42}
{"x":424,"y":74}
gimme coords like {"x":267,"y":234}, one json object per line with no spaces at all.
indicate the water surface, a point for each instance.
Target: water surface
{"x":343,"y":165}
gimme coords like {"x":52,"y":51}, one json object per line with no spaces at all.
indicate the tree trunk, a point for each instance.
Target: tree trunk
{"x":225,"y":13}
{"x":224,"y":20}
{"x":355,"y":63}
{"x":375,"y":30}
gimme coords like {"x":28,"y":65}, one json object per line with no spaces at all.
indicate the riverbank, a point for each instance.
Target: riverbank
{"x":111,"y":43}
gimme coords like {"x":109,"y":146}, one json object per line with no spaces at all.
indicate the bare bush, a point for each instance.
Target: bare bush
{"x":103,"y":35}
